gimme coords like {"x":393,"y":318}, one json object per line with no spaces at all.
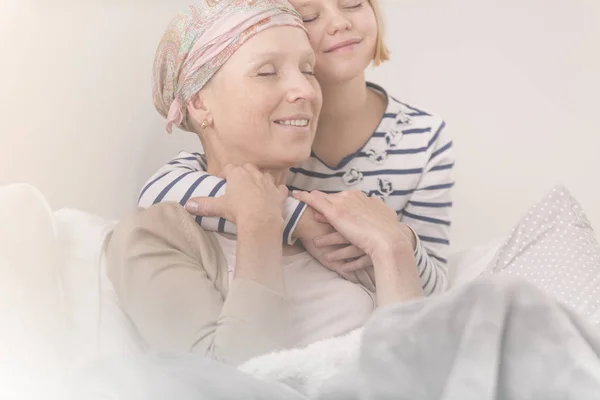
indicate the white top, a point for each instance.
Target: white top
{"x":321,"y":303}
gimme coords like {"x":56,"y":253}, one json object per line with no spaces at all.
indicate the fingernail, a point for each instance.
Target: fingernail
{"x":191,"y":206}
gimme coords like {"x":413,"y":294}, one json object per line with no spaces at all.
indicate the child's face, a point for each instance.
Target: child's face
{"x":343,"y":34}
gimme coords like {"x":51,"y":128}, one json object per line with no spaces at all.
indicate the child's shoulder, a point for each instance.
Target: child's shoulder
{"x":407,"y":114}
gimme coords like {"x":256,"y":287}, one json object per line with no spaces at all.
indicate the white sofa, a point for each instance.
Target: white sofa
{"x":59,"y":307}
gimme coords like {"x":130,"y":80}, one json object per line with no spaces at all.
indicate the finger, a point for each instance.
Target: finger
{"x":355,"y":265}
{"x":320,"y":218}
{"x":330,"y":239}
{"x":337,"y":268}
{"x":207,"y":207}
{"x":253,"y":170}
{"x":226,"y":170}
{"x":345,"y":253}
{"x":284,"y":190}
{"x":314,"y":199}
{"x":349,"y":276}
{"x":269,"y":178}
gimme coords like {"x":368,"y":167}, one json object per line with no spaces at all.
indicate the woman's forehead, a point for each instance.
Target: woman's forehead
{"x":277,"y":42}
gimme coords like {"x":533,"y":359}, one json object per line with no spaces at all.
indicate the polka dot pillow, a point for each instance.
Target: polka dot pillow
{"x":555,"y":248}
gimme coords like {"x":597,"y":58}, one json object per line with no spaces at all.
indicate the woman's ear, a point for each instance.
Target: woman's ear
{"x":199,"y":113}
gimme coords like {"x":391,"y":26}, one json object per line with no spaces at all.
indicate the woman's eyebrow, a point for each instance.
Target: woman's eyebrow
{"x":262,"y":57}
{"x":302,"y":4}
{"x":267,"y":56}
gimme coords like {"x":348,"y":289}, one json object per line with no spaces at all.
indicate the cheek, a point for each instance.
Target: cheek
{"x":370,"y":25}
{"x":318,"y":103}
{"x":315,"y":35}
{"x":248,"y":117}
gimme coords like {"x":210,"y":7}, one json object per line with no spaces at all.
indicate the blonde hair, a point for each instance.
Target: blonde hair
{"x":381,"y":51}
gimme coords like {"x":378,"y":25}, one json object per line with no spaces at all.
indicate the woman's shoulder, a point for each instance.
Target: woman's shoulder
{"x":163,"y":225}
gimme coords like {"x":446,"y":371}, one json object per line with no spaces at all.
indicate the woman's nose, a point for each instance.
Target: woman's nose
{"x":301,"y":88}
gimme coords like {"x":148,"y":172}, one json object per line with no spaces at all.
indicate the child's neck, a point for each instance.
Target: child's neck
{"x":341,"y":101}
{"x":350,"y":114}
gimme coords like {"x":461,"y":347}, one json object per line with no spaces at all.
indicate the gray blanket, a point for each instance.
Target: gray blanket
{"x":492,"y":339}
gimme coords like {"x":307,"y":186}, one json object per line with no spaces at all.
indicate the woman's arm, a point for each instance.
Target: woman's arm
{"x":396,"y":275}
{"x":164,"y":268}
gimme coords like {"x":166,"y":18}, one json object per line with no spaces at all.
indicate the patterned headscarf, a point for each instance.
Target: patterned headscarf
{"x":200,"y":40}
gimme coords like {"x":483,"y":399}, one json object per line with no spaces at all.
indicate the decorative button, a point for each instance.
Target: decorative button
{"x":393,"y":137}
{"x":403,"y":118}
{"x":352,"y":177}
{"x":378,"y":157}
{"x":384,"y":186}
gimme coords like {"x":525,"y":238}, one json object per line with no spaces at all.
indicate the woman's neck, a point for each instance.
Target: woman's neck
{"x":215,"y":166}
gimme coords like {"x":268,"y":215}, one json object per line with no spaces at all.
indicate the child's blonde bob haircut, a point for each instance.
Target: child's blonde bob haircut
{"x":381,"y":51}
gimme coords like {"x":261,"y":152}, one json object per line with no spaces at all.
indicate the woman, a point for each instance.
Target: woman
{"x":233,"y":298}
{"x":366,"y":140}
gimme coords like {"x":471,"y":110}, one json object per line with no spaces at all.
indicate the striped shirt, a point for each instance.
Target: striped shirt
{"x":408,"y":162}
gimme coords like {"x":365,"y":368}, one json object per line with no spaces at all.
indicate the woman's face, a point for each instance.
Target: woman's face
{"x":264,"y":102}
{"x":343,"y":34}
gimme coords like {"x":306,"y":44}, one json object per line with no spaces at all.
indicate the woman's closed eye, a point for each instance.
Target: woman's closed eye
{"x":308,"y":69}
{"x":266,"y":70}
{"x":310,"y":18}
{"x":266,"y":74}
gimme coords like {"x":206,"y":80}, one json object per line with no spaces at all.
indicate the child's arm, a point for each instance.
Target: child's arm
{"x":185,"y":177}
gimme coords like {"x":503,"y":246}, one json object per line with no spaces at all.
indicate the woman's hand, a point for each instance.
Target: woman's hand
{"x":251,"y":198}
{"x":372,"y":227}
{"x":331,"y":249}
{"x":366,"y":222}
{"x":255,"y":204}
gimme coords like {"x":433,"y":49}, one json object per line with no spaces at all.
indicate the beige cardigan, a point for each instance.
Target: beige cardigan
{"x":171,"y":278}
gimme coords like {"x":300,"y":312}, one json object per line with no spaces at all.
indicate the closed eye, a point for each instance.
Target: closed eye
{"x":359,"y":5}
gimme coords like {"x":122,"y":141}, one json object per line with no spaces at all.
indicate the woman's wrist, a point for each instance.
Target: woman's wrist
{"x":259,"y":222}
{"x":392,"y":247}
{"x":392,"y":254}
{"x":396,"y":275}
{"x":411,"y":235}
{"x":259,"y":252}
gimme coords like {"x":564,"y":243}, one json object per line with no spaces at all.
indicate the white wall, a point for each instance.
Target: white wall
{"x":79,"y":122}
{"x":517,"y":81}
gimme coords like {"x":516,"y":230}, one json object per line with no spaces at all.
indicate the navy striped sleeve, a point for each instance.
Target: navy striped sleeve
{"x":184,"y":178}
{"x":427,"y":213}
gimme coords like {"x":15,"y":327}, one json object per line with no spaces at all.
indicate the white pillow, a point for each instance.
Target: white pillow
{"x":467,"y":265}
{"x":555,"y":248}
{"x":98,"y":324}
{"x":31,"y":313}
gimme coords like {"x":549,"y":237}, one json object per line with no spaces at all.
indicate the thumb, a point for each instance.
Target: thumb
{"x":207,"y":206}
{"x":283,"y":190}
